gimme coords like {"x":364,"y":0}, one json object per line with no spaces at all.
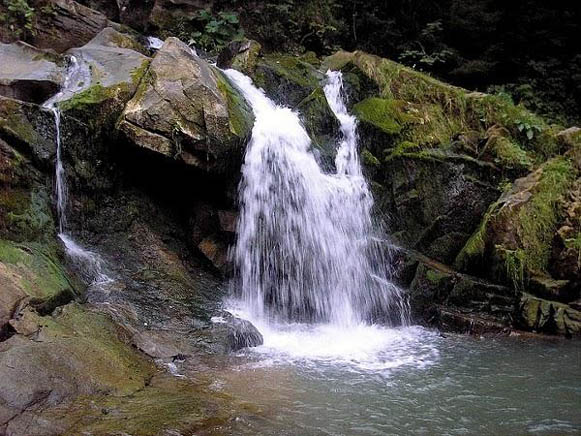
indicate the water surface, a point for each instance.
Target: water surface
{"x":407,"y":381}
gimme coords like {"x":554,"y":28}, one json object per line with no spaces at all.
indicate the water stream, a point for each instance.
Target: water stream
{"x":77,"y":78}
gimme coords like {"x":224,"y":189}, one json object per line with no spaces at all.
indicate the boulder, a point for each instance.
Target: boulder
{"x":28,"y":74}
{"x":231,"y":333}
{"x":116,"y":63}
{"x":187,"y":110}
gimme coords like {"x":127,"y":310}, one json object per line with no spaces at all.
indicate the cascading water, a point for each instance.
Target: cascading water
{"x":77,"y":78}
{"x":305,"y":247}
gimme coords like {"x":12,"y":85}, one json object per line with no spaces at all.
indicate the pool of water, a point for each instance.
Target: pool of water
{"x":409,"y":381}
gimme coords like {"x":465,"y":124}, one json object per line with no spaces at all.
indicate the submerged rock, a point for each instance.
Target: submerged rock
{"x":185,"y":109}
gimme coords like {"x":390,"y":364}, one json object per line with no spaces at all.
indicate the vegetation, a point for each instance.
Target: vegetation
{"x":18,"y":16}
{"x":525,"y":49}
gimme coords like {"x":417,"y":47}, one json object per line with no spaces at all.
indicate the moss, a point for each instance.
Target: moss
{"x":93,"y":95}
{"x":509,"y":154}
{"x":369,"y":159}
{"x":437,"y":112}
{"x":538,"y":220}
{"x":27,"y":215}
{"x":435,"y":277}
{"x":34,"y":268}
{"x":292,"y":68}
{"x":240,"y":116}
{"x":386,"y":115}
{"x":14,"y":121}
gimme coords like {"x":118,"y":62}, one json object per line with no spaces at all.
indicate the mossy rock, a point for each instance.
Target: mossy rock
{"x":287,"y":79}
{"x":30,"y":128}
{"x":516,"y":234}
{"x":546,"y":316}
{"x":36,"y":269}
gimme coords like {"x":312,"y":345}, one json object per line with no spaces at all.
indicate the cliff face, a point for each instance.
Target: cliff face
{"x":480,"y":200}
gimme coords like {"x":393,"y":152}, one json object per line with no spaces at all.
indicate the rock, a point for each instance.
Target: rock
{"x":235,"y":333}
{"x":215,"y":250}
{"x":76,"y":353}
{"x":31,"y":128}
{"x":514,"y":239}
{"x":116,"y":67}
{"x":287,"y":79}
{"x":548,"y":316}
{"x":458,"y":302}
{"x":185,"y":109}
{"x":166,"y":13}
{"x":28,"y":74}
{"x":228,"y":221}
{"x":434,"y":199}
{"x":571,"y":137}
{"x":240,"y":55}
{"x":62,"y":24}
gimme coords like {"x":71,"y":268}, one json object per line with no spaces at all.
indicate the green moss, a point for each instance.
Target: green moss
{"x":369,"y":159}
{"x":387,"y":115}
{"x":292,"y":68}
{"x":435,"y":277}
{"x":240,"y":116}
{"x":515,"y":262}
{"x":14,"y":121}
{"x":34,"y":268}
{"x":138,"y":73}
{"x":437,"y":112}
{"x":27,"y":215}
{"x":91,"y":96}
{"x":538,"y":220}
{"x":509,"y":154}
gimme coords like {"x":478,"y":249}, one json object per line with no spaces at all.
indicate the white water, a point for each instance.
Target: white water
{"x":154,"y":43}
{"x":309,"y":271}
{"x":77,"y":78}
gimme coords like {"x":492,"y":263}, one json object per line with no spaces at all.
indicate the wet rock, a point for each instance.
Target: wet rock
{"x":548,"y":316}
{"x":28,"y":74}
{"x":186,"y":110}
{"x":458,"y":302}
{"x":76,"y":353}
{"x":116,"y":65}
{"x":30,"y":128}
{"x":231,"y":333}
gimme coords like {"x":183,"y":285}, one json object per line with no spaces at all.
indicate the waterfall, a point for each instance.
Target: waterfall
{"x":77,"y":78}
{"x":306,"y":248}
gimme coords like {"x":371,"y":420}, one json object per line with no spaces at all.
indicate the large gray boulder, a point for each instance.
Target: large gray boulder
{"x":187,"y":110}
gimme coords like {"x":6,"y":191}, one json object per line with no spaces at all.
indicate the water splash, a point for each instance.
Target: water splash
{"x":305,"y":248}
{"x":154,"y":43}
{"x":77,"y":78}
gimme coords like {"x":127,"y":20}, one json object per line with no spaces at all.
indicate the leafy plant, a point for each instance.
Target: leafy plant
{"x":216,"y":30}
{"x":19,"y":17}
